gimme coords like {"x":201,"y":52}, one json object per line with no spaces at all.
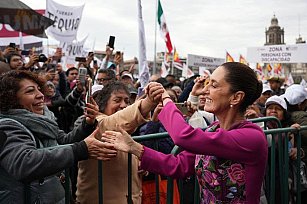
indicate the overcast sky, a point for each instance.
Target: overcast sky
{"x":202,"y":27}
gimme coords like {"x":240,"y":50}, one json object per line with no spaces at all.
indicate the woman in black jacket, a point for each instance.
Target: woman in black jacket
{"x":32,"y":151}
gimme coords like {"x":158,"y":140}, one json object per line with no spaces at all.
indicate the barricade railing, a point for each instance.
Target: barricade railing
{"x":270,"y":176}
{"x":283,"y":160}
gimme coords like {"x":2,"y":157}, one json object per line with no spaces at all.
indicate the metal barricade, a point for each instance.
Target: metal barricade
{"x":283,"y":158}
{"x":283,"y":161}
{"x":270,"y":176}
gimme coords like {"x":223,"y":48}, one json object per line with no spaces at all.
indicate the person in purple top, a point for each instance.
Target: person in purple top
{"x":229,"y":157}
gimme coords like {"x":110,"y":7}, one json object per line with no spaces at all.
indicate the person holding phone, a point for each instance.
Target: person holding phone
{"x":109,"y":52}
{"x":33,"y":155}
{"x":104,"y":63}
{"x":10,"y":49}
{"x":15,"y":61}
{"x":229,"y":157}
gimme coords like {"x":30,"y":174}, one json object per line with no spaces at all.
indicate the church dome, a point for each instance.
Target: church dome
{"x":274,"y":21}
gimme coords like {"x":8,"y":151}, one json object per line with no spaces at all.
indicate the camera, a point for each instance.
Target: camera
{"x":80,"y":59}
{"x":12,"y":45}
{"x":25,"y":52}
{"x":42,"y":58}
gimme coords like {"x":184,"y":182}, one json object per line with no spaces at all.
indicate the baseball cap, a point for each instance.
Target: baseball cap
{"x":111,"y":65}
{"x":279,"y":100}
{"x":265,"y":88}
{"x":127,"y":75}
{"x":96,"y":87}
{"x":295,"y":94}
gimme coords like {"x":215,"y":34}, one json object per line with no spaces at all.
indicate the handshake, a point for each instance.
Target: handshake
{"x":120,"y":140}
{"x":155,"y":92}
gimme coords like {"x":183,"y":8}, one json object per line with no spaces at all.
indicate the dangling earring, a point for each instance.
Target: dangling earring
{"x":231,"y":105}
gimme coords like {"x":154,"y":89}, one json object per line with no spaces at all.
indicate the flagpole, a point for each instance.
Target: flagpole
{"x":93,"y":46}
{"x":48,"y":47}
{"x":20,"y":41}
{"x":172,"y":72}
{"x":155,"y":46}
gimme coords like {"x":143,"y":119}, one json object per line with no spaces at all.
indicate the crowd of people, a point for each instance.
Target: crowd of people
{"x":50,"y":120}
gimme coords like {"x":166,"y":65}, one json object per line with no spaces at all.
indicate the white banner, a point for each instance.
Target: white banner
{"x":203,"y":61}
{"x":72,"y":50}
{"x":67,"y":20}
{"x":278,"y":54}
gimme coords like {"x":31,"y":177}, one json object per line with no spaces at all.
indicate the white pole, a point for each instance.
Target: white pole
{"x":155,"y":46}
{"x":48,"y":47}
{"x":20,"y":41}
{"x":93,"y":47}
{"x":172,"y":61}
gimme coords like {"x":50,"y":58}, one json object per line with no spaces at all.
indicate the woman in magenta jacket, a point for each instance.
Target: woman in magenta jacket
{"x":229,"y":158}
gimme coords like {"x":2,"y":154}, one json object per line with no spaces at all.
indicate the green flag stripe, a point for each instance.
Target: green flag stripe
{"x":160,"y":12}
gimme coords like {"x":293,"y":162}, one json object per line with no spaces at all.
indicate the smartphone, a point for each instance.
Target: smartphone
{"x":82,"y":75}
{"x":89,"y":90}
{"x":183,"y":108}
{"x":111,"y":41}
{"x":95,"y":62}
{"x":80,"y":59}
{"x":13,"y":45}
{"x":25,"y":52}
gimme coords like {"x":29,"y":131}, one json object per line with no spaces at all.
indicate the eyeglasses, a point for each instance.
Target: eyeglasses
{"x":103,"y":79}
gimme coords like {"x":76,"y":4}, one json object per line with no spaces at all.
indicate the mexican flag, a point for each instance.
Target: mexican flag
{"x":163,"y":28}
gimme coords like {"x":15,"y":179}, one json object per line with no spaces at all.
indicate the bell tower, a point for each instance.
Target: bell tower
{"x":274,"y":35}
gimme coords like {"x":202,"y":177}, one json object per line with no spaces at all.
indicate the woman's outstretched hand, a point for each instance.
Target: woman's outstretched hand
{"x":99,"y":150}
{"x":122,"y":141}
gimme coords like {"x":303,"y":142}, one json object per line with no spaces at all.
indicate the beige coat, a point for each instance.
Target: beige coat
{"x":115,"y":172}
